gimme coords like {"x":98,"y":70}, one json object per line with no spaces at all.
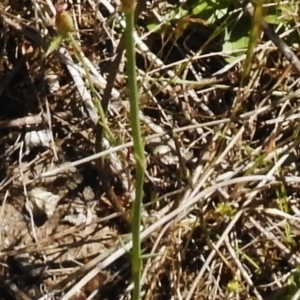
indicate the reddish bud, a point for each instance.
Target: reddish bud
{"x":63,"y":21}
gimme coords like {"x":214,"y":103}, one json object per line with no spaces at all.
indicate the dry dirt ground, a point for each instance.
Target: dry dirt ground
{"x":231,"y":180}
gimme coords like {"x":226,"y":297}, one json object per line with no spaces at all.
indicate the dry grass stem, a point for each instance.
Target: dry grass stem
{"x":221,"y":211}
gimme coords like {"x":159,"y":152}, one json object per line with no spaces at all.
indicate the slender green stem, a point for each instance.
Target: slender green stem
{"x":140,"y":161}
{"x":101,"y":114}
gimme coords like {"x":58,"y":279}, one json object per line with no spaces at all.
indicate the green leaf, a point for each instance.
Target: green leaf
{"x":273,"y":19}
{"x":236,"y":37}
{"x":55,"y":44}
{"x":200,"y":8}
{"x":233,"y":286}
{"x":232,"y":45}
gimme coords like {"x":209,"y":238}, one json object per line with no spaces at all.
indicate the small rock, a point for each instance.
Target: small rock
{"x":41,"y":202}
{"x":88,"y":194}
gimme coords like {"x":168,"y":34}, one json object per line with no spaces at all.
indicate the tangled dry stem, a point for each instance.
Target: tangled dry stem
{"x":221,"y":207}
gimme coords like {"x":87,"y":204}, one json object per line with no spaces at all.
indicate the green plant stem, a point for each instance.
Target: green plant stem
{"x":253,"y":40}
{"x":107,"y":133}
{"x":140,"y":161}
